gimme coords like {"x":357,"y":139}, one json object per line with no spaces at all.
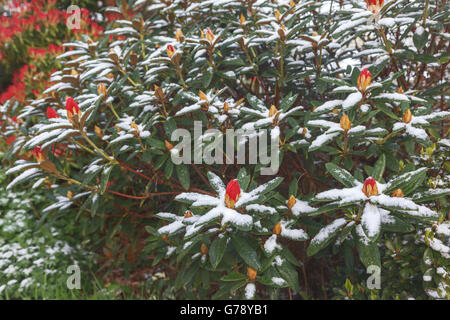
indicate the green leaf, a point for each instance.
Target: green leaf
{"x":216,"y":250}
{"x":160,"y":161}
{"x":289,"y":274}
{"x":420,"y":40}
{"x":156,"y":143}
{"x":321,"y":85}
{"x":287,"y":102}
{"x":186,"y":275}
{"x":187,"y":248}
{"x":386,"y":110}
{"x":269,"y":186}
{"x":183,"y":176}
{"x":256,"y":103}
{"x":324,"y":236}
{"x":169,"y":126}
{"x":247,"y":253}
{"x":415,"y":183}
{"x":397,"y":225}
{"x":379,"y":167}
{"x":402,"y":180}
{"x":369,"y":254}
{"x":105,"y":177}
{"x":347,"y":229}
{"x":216,"y":183}
{"x":286,"y":253}
{"x":429,"y":195}
{"x":293,"y":187}
{"x":207,"y":77}
{"x":234,"y":276}
{"x":243,"y":178}
{"x":348,"y":256}
{"x":328,"y":207}
{"x":341,"y":175}
{"x":168,"y":170}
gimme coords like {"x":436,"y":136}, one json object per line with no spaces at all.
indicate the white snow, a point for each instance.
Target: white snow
{"x":250,"y":290}
{"x":293,"y":234}
{"x":22,"y":176}
{"x":260,"y":208}
{"x":371,"y":220}
{"x":301,"y":207}
{"x":325,"y":232}
{"x":279,"y":281}
{"x":271,"y":244}
{"x":351,"y":100}
{"x":328,"y":106}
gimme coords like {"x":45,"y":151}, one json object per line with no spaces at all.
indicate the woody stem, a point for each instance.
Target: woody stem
{"x":112,"y":160}
{"x":113,"y":110}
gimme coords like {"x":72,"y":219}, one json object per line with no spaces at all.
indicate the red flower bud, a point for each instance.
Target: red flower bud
{"x":374,"y":5}
{"x":209,"y":35}
{"x":204,"y":248}
{"x":398,"y":193}
{"x":10,"y":140}
{"x":170,"y":50}
{"x":251,"y":273}
{"x":38,"y":154}
{"x":277,"y":229}
{"x":345,"y":122}
{"x":232,"y":193}
{"x":407,"y":117}
{"x":364,"y":80}
{"x":72,"y":108}
{"x":51,"y":113}
{"x":370,"y":187}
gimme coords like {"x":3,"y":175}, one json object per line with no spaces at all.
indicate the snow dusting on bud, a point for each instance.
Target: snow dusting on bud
{"x":272,"y":111}
{"x":38,"y":154}
{"x":209,"y":35}
{"x":364,"y":80}
{"x":187,"y":214}
{"x":397,"y":193}
{"x":370,"y":187}
{"x":242,"y":19}
{"x":170,"y":51}
{"x":232,"y":193}
{"x":374,"y":6}
{"x":277,"y":14}
{"x":101,"y":89}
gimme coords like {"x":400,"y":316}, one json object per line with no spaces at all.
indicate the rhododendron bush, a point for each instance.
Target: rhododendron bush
{"x":30,"y":32}
{"x":354,"y":97}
